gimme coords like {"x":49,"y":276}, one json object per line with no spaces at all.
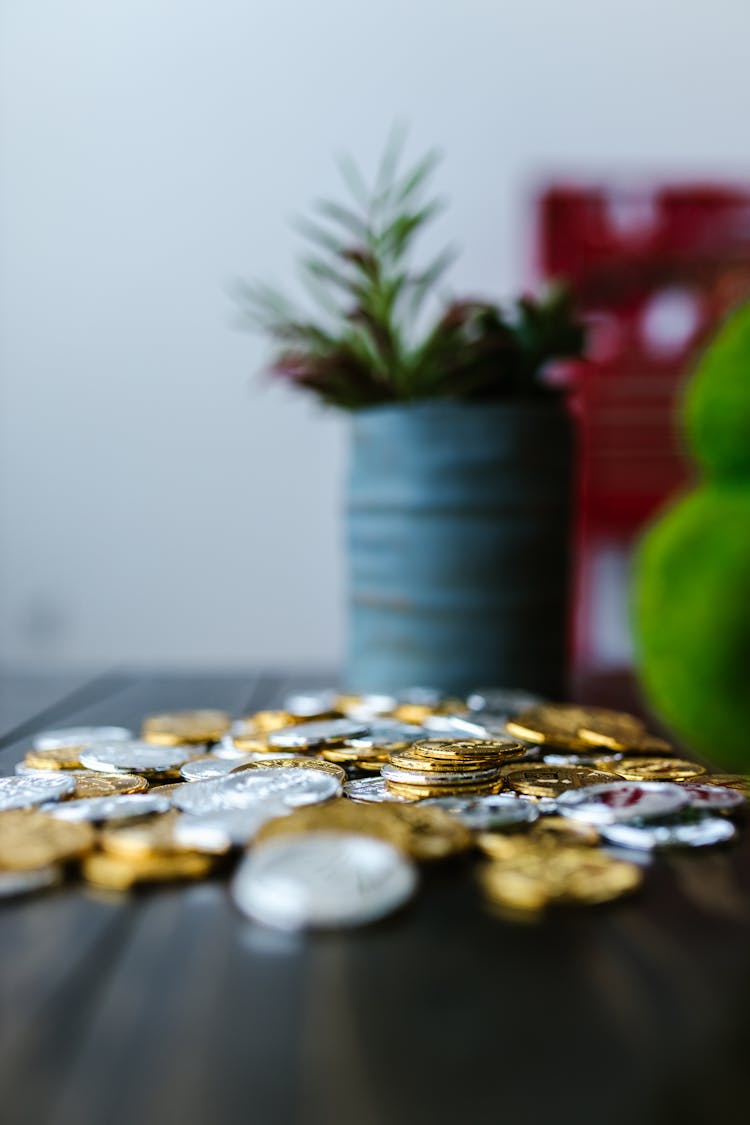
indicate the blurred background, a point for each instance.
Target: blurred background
{"x":160,"y":504}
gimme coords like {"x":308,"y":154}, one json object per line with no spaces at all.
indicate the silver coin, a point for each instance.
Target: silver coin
{"x":487,"y":813}
{"x":436,"y":777}
{"x":369,"y":707}
{"x":133,"y":757}
{"x":22,"y":768}
{"x":14,"y":883}
{"x":618,"y":801}
{"x":455,"y":726}
{"x":23,"y":791}
{"x":79,"y":736}
{"x":322,"y":880}
{"x":701,"y":833}
{"x":589,"y":760}
{"x":219,"y":831}
{"x":372,"y":789}
{"x":110,"y":808}
{"x":206,"y":768}
{"x":383,"y":731}
{"x":715,"y":797}
{"x":317,"y":734}
{"x":306,"y":704}
{"x":503,"y":701}
{"x":290,"y":786}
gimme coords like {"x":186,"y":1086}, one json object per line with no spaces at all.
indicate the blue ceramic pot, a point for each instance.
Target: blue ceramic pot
{"x":458,"y":530}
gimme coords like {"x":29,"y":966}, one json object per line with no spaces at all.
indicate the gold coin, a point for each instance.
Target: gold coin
{"x":736,"y":781}
{"x":119,"y":873}
{"x":339,"y":815}
{"x":409,"y":760}
{"x":415,"y":713}
{"x":419,"y":792}
{"x":167,"y":790}
{"x":654,"y":769}
{"x":617,"y":730}
{"x":434,"y":833}
{"x":550,"y":724}
{"x":354,"y":755}
{"x":148,"y":836}
{"x":566,"y":874}
{"x":178,"y":727}
{"x":30,"y":839}
{"x":297,"y":764}
{"x":456,"y":748}
{"x":60,"y":758}
{"x":267,"y":721}
{"x":537,"y":779}
{"x":549,"y":832}
{"x":108,"y":784}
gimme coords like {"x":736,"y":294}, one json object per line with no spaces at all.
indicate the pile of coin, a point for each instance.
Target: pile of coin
{"x":325,"y":807}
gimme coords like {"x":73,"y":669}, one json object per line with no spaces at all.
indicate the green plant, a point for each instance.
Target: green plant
{"x":692,"y":589}
{"x":364,"y":345}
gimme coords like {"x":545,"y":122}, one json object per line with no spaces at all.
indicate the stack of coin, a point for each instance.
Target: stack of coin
{"x":441,"y":767}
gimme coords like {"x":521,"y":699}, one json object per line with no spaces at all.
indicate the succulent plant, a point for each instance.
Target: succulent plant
{"x":364,"y":346}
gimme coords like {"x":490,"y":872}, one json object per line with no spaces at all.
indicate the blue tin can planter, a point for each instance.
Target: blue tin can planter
{"x":459,"y":532}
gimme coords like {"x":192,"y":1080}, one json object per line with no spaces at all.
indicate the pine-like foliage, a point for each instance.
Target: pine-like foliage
{"x":363,"y":347}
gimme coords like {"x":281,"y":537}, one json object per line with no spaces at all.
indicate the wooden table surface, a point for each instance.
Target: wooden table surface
{"x":167,"y":1006}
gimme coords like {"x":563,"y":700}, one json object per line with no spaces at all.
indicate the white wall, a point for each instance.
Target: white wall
{"x":158,"y":503}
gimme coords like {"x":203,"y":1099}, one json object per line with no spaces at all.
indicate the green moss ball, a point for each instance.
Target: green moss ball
{"x":717,"y":402}
{"x":692,"y":621}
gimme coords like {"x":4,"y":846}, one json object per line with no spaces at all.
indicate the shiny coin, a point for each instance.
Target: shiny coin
{"x":309,"y":735}
{"x":495,"y":749}
{"x":266,"y":721}
{"x":77,"y":737}
{"x":323,"y":879}
{"x":119,"y":873}
{"x":653,"y":769}
{"x":713,"y":797}
{"x":555,"y":724}
{"x":384,"y":732}
{"x":340,"y":815}
{"x":444,"y":789}
{"x":542,"y":780}
{"x":310,"y":705}
{"x":59,"y":758}
{"x":622,"y":801}
{"x":142,"y":836}
{"x":292,"y":787}
{"x":109,"y":808}
{"x":217,"y":832}
{"x":590,"y":761}
{"x":295,"y":763}
{"x":416,"y":760}
{"x":14,"y":883}
{"x":26,"y":790}
{"x":371,"y":789}
{"x":454,"y":726}
{"x":30,"y":839}
{"x":486,"y":813}
{"x":736,"y":781}
{"x":433,"y":833}
{"x":179,"y":728}
{"x":435,"y":777}
{"x":89,"y":784}
{"x":618,"y":730}
{"x":133,"y":757}
{"x":699,"y":833}
{"x":203,"y":769}
{"x":166,"y":790}
{"x":364,"y":707}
